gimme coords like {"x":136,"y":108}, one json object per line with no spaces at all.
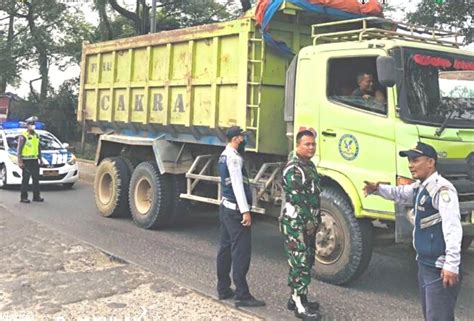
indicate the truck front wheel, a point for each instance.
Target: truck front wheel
{"x":111,"y":186}
{"x":149,"y":196}
{"x":343,"y":243}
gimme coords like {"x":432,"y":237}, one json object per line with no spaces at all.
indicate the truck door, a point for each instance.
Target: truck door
{"x":357,"y":132}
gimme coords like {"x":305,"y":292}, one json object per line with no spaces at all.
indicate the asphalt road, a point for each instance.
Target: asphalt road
{"x":387,"y":291}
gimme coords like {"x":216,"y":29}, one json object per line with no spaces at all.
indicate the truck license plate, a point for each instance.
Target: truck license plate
{"x":50,"y":173}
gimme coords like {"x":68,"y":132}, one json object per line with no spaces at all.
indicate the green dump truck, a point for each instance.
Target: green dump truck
{"x":162,"y":102}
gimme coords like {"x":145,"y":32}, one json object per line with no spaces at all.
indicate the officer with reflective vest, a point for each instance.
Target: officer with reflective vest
{"x":235,"y":221}
{"x":437,"y":233}
{"x":29,"y":159}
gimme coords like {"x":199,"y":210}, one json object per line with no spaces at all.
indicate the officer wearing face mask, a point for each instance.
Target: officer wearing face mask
{"x":235,"y":221}
{"x":29,"y":159}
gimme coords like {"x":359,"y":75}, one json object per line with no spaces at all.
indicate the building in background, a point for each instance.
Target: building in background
{"x":7,"y":101}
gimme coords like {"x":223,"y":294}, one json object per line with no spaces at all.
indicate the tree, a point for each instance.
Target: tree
{"x":105,"y":28}
{"x":453,"y":14}
{"x":44,"y":33}
{"x":171,"y":14}
{"x":58,"y":111}
{"x":9,"y":73}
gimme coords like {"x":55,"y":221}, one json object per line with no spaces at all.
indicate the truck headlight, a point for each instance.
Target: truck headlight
{"x":72,"y":161}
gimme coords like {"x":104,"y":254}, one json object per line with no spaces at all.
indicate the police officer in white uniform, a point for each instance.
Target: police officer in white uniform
{"x":235,"y":221}
{"x":437,"y":233}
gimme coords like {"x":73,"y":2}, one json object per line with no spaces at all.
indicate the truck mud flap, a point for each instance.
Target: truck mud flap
{"x":403,"y":224}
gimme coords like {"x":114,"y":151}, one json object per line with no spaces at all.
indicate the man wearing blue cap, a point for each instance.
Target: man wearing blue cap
{"x":438,"y":230}
{"x":234,"y":215}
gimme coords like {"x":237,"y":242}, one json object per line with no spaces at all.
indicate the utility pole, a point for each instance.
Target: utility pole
{"x":153,"y":16}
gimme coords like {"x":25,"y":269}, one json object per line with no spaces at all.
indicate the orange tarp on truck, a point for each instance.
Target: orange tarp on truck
{"x":372,"y":7}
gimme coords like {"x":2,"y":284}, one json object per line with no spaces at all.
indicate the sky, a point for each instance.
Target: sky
{"x":57,"y":77}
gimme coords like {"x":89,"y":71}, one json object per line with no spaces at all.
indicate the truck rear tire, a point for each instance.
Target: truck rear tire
{"x":111,"y":187}
{"x":343,"y":244}
{"x":150,"y":196}
{"x":179,"y":206}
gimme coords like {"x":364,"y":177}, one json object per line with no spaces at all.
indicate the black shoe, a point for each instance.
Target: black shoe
{"x":308,"y":315}
{"x":38,"y":199}
{"x":313,"y":306}
{"x":227,"y":295}
{"x":250,"y":302}
{"x":24,"y":200}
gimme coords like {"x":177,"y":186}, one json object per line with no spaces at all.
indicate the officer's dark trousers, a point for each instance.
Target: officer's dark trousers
{"x":31,"y":169}
{"x":234,"y":251}
{"x":437,"y":301}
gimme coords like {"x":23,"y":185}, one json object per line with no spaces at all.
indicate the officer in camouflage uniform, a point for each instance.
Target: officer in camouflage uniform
{"x":298,"y":222}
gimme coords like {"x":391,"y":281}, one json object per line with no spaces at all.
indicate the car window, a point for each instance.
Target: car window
{"x":48,"y":141}
{"x":12,"y":142}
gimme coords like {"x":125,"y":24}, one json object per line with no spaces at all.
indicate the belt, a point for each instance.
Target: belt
{"x":230,"y":205}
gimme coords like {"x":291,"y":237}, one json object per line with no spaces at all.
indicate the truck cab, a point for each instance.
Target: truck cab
{"x":421,"y":91}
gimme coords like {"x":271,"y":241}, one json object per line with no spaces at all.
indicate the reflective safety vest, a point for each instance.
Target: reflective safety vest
{"x":31,"y":147}
{"x":226,"y":184}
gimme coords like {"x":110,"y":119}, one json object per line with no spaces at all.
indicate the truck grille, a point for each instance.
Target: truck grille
{"x":460,"y":172}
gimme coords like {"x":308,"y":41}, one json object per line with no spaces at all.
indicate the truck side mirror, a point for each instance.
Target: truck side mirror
{"x":386,"y":72}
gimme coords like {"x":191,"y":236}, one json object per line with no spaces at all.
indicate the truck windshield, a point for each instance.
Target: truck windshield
{"x":437,"y":88}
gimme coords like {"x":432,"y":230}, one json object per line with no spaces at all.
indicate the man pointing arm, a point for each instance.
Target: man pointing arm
{"x":437,"y":233}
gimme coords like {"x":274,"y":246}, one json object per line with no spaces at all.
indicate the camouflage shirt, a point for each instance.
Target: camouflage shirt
{"x":301,"y":184}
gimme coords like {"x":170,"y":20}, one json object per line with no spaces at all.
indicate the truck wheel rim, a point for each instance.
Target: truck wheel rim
{"x":143,"y":196}
{"x":329,"y":239}
{"x":105,"y":188}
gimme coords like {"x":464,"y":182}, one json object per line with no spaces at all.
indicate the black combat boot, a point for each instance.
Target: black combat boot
{"x":307,"y":315}
{"x":313,"y":306}
{"x":303,"y":312}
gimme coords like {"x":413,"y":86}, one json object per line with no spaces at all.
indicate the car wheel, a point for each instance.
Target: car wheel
{"x":3,"y":176}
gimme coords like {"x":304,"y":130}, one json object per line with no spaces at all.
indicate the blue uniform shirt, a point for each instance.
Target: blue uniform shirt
{"x":234,"y":179}
{"x":438,"y":230}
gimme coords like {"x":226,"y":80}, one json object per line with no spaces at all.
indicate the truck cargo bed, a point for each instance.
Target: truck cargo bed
{"x":188,"y":85}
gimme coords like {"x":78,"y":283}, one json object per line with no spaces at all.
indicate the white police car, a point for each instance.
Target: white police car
{"x":59,"y":165}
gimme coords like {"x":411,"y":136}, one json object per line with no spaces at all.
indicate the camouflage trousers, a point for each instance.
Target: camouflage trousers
{"x":300,"y":249}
